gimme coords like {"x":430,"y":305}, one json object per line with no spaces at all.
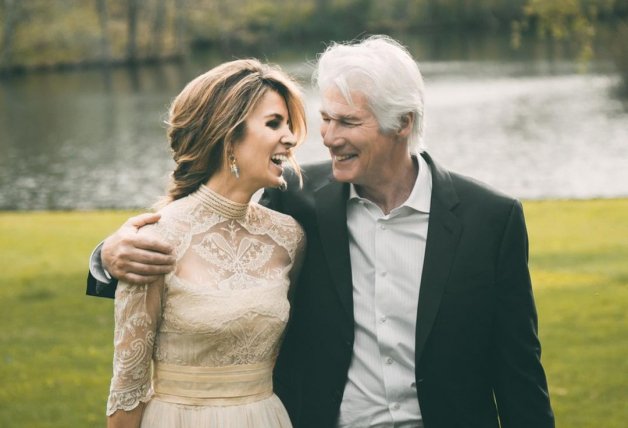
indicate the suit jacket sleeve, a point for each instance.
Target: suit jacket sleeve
{"x":520,"y":385}
{"x":97,"y":283}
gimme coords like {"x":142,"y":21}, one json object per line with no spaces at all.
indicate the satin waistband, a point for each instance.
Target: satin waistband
{"x":220,"y":386}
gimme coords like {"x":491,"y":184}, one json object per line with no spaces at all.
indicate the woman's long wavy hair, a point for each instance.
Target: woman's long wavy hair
{"x":209,"y":115}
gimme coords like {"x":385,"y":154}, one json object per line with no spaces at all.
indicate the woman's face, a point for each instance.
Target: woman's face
{"x":266,"y":143}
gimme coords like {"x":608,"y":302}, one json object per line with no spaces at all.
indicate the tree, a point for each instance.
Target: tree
{"x":577,"y":21}
{"x":103,"y":20}
{"x":181,"y":27}
{"x":10,"y":23}
{"x":132,"y":15}
{"x":159,"y":23}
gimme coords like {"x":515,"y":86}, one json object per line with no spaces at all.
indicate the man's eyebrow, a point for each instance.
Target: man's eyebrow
{"x":349,"y":117}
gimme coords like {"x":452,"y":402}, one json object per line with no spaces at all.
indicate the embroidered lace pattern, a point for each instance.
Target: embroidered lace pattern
{"x":225,"y":304}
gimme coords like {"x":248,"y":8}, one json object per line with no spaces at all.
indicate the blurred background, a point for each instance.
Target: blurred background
{"x":530,"y":96}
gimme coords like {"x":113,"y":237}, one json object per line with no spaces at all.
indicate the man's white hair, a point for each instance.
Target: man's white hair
{"x":385,"y":73}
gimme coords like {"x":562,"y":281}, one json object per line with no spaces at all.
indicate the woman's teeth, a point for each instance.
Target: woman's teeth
{"x":279,"y":159}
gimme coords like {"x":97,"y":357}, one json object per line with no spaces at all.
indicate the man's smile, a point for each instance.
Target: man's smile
{"x":340,"y":158}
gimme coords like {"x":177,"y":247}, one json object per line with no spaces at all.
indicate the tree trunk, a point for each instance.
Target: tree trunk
{"x":181,"y":28}
{"x":157,"y":42}
{"x":103,"y":20}
{"x":131,"y":47}
{"x":10,"y":22}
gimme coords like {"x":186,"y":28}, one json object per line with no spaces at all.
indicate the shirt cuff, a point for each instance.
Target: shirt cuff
{"x":96,"y":268}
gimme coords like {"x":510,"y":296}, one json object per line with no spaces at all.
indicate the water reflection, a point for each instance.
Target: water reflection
{"x":528,"y":125}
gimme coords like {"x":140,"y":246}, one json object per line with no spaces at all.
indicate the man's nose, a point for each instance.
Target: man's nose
{"x":329,"y":134}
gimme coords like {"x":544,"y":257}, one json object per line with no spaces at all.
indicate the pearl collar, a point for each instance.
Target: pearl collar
{"x":218,"y":203}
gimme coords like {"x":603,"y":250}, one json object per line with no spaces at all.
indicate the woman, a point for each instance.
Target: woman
{"x":209,"y":332}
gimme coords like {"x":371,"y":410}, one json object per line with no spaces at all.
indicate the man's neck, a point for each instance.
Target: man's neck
{"x":393,"y":190}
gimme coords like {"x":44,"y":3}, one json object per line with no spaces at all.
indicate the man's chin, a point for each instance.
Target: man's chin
{"x":341,"y":176}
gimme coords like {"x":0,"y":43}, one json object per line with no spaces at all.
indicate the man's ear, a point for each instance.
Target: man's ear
{"x":406,"y":121}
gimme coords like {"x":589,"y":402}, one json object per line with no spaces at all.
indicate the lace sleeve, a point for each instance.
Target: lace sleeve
{"x":137,"y":315}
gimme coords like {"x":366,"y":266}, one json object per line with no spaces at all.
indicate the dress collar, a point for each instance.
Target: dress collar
{"x":220,"y":204}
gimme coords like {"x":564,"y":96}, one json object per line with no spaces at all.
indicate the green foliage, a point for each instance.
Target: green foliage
{"x":56,"y":343}
{"x":68,"y":31}
{"x":563,"y":20}
{"x":44,"y":33}
{"x":573,"y":21}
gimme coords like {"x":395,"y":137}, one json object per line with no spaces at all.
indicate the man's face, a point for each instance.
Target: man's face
{"x":360,"y":152}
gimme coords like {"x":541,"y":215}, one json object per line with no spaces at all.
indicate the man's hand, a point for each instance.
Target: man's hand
{"x":137,"y":258}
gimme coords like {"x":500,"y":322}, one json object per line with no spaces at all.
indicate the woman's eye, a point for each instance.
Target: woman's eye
{"x":273,"y":124}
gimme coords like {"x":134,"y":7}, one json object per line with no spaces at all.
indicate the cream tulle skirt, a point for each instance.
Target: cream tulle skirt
{"x":266,"y":413}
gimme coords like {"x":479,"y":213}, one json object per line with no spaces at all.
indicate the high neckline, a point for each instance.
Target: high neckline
{"x":220,"y":204}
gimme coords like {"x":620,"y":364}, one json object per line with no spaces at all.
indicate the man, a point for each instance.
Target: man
{"x":414,"y":305}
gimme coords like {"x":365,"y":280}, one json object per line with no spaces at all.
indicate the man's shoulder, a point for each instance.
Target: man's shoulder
{"x":473,"y":188}
{"x":316,"y":173}
{"x":296,"y":197}
{"x":324,"y":165}
{"x":468,"y":191}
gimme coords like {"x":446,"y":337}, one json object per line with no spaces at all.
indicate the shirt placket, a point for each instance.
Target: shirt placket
{"x":385,"y":305}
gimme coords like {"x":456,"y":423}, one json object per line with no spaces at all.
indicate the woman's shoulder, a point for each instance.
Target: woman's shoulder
{"x":174,"y":220}
{"x":275,"y":218}
{"x":284,"y":229}
{"x":177,"y":209}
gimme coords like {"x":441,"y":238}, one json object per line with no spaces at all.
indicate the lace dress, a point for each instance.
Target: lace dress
{"x":200,"y":346}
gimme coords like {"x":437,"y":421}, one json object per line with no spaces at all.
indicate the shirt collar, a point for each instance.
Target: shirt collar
{"x":421,"y":196}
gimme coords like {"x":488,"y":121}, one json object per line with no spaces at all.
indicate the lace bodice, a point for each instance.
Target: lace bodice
{"x":224,"y":305}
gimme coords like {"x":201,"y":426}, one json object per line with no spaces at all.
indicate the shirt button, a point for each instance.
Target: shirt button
{"x":388,"y":360}
{"x":395,"y":406}
{"x":382,"y":319}
{"x":384,"y":273}
{"x":413,"y":385}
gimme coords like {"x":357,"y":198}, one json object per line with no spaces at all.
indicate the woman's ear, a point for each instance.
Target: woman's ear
{"x":406,"y":121}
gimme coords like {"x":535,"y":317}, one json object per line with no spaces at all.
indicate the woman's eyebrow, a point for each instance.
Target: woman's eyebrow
{"x":274,"y":116}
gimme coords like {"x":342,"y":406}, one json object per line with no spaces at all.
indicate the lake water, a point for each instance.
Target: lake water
{"x":527,"y":123}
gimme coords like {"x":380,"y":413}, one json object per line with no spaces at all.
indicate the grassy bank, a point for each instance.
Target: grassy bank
{"x":55,"y":345}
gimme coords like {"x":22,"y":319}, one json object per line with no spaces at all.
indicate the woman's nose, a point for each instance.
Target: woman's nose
{"x":289,"y":139}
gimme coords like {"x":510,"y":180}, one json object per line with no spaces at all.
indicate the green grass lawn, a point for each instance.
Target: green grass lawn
{"x":55,"y":345}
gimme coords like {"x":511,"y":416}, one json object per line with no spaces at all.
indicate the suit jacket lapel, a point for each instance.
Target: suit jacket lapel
{"x":442,"y":239}
{"x":331,"y":211}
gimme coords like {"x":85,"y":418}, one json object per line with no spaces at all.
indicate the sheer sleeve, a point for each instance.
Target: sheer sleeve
{"x":137,"y":315}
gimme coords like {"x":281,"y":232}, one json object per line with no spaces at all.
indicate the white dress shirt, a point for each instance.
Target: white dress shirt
{"x":387,"y":253}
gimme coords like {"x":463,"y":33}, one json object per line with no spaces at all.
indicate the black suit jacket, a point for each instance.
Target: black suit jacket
{"x":476,"y":344}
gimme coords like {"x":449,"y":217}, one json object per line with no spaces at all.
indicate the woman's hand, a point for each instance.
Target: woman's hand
{"x":124,"y":419}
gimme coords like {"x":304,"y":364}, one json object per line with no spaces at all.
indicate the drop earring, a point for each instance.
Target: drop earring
{"x":283,"y":186}
{"x":233,"y":166}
